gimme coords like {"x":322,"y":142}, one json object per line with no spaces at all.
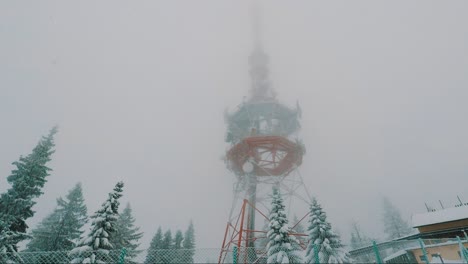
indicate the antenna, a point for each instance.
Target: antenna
{"x":441,"y":205}
{"x":261,"y":89}
{"x":427,"y":207}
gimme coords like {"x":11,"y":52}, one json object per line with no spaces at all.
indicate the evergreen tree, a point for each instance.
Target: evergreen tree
{"x":153,"y":255}
{"x":177,"y":245}
{"x":95,"y":247}
{"x":60,"y":230}
{"x":189,"y":244}
{"x":166,"y":248}
{"x":282,"y":247}
{"x":167,"y":240}
{"x":329,"y":246}
{"x":26,"y":181}
{"x":41,"y":235}
{"x":358,"y":239}
{"x":178,"y":240}
{"x":395,"y":226}
{"x":127,"y":235}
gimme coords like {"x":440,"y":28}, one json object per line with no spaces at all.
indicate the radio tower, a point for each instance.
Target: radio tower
{"x":264,"y":152}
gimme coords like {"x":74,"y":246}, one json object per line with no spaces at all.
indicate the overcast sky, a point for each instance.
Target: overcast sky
{"x":139,"y":88}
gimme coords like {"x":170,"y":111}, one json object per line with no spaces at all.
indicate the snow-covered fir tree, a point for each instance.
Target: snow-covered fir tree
{"x":27,"y":181}
{"x":395,"y":226}
{"x":166,"y":248}
{"x":42,"y":235}
{"x":94,"y":248}
{"x":322,"y":238}
{"x":189,"y":244}
{"x":61,"y":230}
{"x":179,"y":237}
{"x":127,"y":234}
{"x":282,"y":247}
{"x":358,"y":238}
{"x":167,"y":240}
{"x":177,"y":245}
{"x":153,"y":255}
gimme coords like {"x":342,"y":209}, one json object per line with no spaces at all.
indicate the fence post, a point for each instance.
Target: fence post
{"x":316,"y":254}
{"x":421,"y":244}
{"x":378,"y":259}
{"x":463,"y":252}
{"x":234,"y":255}
{"x":122,"y":256}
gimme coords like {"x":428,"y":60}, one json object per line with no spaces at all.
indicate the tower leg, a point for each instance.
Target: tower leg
{"x":250,"y":235}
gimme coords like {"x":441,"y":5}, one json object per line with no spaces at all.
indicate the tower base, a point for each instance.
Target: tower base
{"x":246,"y":245}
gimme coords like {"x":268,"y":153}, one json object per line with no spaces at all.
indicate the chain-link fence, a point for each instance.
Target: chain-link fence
{"x":209,"y":255}
{"x":424,"y":251}
{"x":244,"y":255}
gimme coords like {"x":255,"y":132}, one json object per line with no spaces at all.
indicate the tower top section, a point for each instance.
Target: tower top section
{"x":261,"y":88}
{"x":261,"y":115}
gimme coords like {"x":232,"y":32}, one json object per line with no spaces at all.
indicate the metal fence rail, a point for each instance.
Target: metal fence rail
{"x":424,"y":251}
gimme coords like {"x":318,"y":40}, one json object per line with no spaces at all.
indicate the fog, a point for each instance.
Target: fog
{"x":139,"y":88}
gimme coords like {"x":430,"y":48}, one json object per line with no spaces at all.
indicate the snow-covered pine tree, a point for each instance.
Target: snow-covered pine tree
{"x":167,"y":240}
{"x":42,"y":234}
{"x":26,"y":181}
{"x":94,"y":248}
{"x":358,"y":238}
{"x":178,"y":240}
{"x":330,"y":248}
{"x":282,"y":247}
{"x":167,"y":248}
{"x":189,"y":244}
{"x":61,"y":230}
{"x":127,"y":235}
{"x":178,"y":251}
{"x":153,"y":255}
{"x":395,"y":226}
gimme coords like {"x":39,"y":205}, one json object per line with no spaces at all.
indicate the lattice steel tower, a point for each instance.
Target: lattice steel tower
{"x":264,"y":152}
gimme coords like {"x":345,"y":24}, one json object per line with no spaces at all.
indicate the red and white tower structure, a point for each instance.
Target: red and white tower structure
{"x":264,"y":151}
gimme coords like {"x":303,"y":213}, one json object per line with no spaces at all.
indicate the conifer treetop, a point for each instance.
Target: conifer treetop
{"x":155,"y":244}
{"x":94,"y":248}
{"x":127,"y":233}
{"x":395,"y":226}
{"x":27,"y":181}
{"x":62,"y":228}
{"x":321,"y":236}
{"x":281,"y":247}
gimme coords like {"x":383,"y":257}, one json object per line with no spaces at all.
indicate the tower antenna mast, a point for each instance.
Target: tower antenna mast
{"x":262,"y":154}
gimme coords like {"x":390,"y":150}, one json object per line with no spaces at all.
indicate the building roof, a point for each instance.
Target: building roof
{"x":446,"y":233}
{"x":440,"y":216}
